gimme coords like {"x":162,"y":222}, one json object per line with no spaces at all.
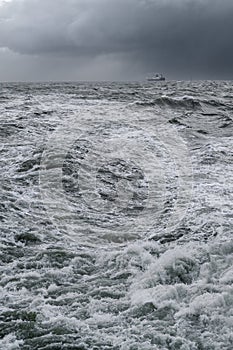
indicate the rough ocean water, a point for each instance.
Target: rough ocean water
{"x":116,"y":216}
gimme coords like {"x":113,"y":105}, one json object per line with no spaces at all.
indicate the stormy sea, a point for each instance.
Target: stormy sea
{"x":116,"y":216}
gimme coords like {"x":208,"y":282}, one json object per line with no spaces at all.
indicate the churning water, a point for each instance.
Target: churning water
{"x":116,"y":216}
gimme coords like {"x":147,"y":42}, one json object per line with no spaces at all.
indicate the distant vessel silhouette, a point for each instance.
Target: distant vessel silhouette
{"x":156,"y":77}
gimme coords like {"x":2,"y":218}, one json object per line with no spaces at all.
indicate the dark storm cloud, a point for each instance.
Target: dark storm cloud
{"x":180,"y":37}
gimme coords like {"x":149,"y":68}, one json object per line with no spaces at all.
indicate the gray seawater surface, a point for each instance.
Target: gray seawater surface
{"x":116,"y":216}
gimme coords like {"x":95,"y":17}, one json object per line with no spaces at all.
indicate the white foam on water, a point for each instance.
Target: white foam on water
{"x":163,"y":278}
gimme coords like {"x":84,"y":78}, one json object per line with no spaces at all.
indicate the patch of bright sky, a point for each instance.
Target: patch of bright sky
{"x":2,"y":1}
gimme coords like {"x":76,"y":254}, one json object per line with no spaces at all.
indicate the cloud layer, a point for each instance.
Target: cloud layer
{"x":182,"y":37}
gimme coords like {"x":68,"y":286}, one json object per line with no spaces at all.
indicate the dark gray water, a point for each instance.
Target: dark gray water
{"x":116,"y":216}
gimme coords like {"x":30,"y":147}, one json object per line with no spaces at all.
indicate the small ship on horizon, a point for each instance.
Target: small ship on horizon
{"x":157,"y":77}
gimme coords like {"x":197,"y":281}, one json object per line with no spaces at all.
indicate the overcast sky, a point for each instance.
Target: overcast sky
{"x":115,"y":39}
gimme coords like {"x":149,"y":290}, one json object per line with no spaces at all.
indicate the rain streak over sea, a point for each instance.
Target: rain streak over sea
{"x":116,"y":216}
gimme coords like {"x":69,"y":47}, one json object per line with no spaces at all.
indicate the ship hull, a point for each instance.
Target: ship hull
{"x":154,"y":79}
